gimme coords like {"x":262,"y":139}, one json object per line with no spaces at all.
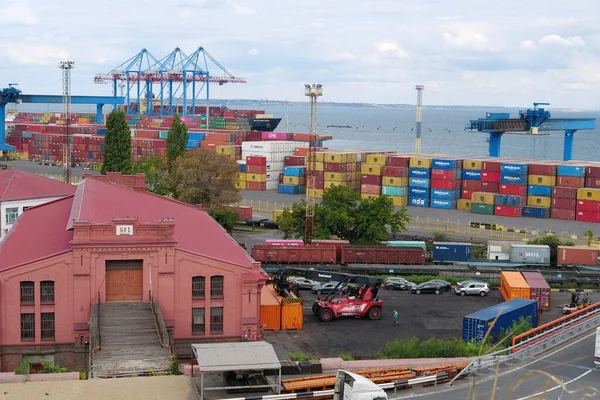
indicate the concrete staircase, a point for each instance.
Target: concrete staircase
{"x":130,"y":345}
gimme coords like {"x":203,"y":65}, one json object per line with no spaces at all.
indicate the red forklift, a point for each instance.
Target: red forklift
{"x":359,"y":301}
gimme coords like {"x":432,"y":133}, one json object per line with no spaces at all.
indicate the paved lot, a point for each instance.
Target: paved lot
{"x":423,"y":316}
{"x":30,"y":166}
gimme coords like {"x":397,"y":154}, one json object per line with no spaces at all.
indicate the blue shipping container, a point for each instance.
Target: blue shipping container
{"x":514,"y":169}
{"x":394,"y":190}
{"x":445,"y":194}
{"x":443,"y":203}
{"x":419,"y":182}
{"x":509,"y":200}
{"x":419,"y":172}
{"x":440,"y":163}
{"x":192,"y":144}
{"x":571,"y":170}
{"x":476,"y":325}
{"x":471,"y":175}
{"x":101,"y":131}
{"x":242,"y":167}
{"x":293,"y":171}
{"x":197,"y":135}
{"x":513,"y":179}
{"x":418,"y":201}
{"x":452,"y":251}
{"x":536,"y":212}
{"x":545,"y":191}
{"x":288,"y":189}
{"x":418,"y":192}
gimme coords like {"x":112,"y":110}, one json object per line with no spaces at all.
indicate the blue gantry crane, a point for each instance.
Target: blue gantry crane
{"x":14,"y":95}
{"x":530,"y":121}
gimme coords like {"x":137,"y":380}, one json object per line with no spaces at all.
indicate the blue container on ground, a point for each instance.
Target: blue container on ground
{"x":399,"y":191}
{"x":418,"y":192}
{"x":288,"y":189}
{"x":544,"y":191}
{"x":471,"y":175}
{"x":418,"y":201}
{"x":197,"y":135}
{"x":514,"y":169}
{"x":452,"y":251}
{"x":419,"y":182}
{"x":419,"y":172}
{"x":294,"y":171}
{"x":513,"y":179}
{"x":571,"y":170}
{"x":445,"y":194}
{"x":536,"y":212}
{"x":476,"y":325}
{"x":440,"y":163}
{"x":445,"y":204}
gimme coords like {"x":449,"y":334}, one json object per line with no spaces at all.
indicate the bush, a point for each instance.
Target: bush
{"x":51,"y":368}
{"x":301,"y":357}
{"x":347,"y":357}
{"x":430,"y":348}
{"x":174,"y":366}
{"x":24,"y":368}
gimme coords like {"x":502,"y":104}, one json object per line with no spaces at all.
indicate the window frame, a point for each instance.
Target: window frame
{"x":216,"y":292}
{"x":23,"y":289}
{"x":31,"y":336}
{"x":9,"y":212}
{"x":45,"y":297}
{"x":197,"y":331}
{"x":217,"y":320}
{"x":45,"y":329}
{"x":198,"y":293}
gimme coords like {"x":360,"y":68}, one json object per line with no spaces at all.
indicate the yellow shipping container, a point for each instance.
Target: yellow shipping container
{"x":256,"y":177}
{"x":320,"y":166}
{"x":399,"y":201}
{"x":394,"y":181}
{"x":541,"y":180}
{"x":330,"y":184}
{"x":318,"y":193}
{"x":472,"y":164}
{"x":463,"y":204}
{"x":241,"y":176}
{"x":293,"y":180}
{"x":369,"y":196}
{"x":335,"y":176}
{"x":276,"y":214}
{"x":539,"y":201}
{"x":335,"y":157}
{"x":588,"y":194}
{"x":371,"y":169}
{"x":376,"y":159}
{"x":351,"y":157}
{"x":483,"y":198}
{"x":240,"y":185}
{"x":420,"y":162}
{"x":227,"y":150}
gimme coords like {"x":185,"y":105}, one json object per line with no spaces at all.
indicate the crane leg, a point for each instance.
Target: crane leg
{"x":568,"y":147}
{"x":99,"y":113}
{"x":495,"y":141}
{"x":3,"y":145}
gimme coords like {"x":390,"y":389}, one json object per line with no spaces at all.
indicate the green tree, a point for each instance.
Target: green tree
{"x":552,"y":241}
{"x":204,"y":177}
{"x":226,"y":218}
{"x":589,"y":237}
{"x":155,"y":169}
{"x":117,"y":156}
{"x":176,"y":140}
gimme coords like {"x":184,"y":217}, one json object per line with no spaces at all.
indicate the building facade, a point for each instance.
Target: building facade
{"x":108,"y":243}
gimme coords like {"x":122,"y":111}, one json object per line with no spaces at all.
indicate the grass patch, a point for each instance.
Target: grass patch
{"x":347,"y":357}
{"x":297,"y":356}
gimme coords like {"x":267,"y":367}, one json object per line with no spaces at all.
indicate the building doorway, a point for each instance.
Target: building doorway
{"x":124,"y":280}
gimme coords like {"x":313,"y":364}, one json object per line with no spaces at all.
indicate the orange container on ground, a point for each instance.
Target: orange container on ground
{"x":513,"y":285}
{"x":270,"y":310}
{"x":292,"y":314}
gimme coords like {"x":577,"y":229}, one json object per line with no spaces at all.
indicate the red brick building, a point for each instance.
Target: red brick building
{"x":108,"y":243}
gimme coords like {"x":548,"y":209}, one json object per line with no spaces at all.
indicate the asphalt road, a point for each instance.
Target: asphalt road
{"x":29,"y":166}
{"x":571,"y":363}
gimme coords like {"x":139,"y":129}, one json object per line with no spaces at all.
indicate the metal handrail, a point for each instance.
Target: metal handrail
{"x":161,"y":329}
{"x":99,"y":333}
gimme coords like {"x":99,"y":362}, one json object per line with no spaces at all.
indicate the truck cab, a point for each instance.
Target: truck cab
{"x":351,"y":386}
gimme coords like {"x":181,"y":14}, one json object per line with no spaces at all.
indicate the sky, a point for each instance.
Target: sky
{"x":465,"y":52}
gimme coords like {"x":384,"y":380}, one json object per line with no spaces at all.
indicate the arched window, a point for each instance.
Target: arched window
{"x":216,"y":286}
{"x":198,"y":287}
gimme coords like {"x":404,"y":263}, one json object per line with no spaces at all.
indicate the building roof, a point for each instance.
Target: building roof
{"x":238,"y":356}
{"x":20,"y":185}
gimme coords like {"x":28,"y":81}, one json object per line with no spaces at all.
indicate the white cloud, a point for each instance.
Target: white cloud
{"x":527,"y":45}
{"x":253,"y":52}
{"x":391,"y":48}
{"x":466,"y":39}
{"x":558,"y":40}
{"x":17,"y":13}
{"x":243,"y":10}
{"x":40,"y":54}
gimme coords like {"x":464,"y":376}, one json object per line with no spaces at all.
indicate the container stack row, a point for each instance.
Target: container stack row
{"x":419,"y":181}
{"x":471,"y":183}
{"x":394,"y":181}
{"x":293,"y":180}
{"x":588,"y":205}
{"x":512,"y":190}
{"x":446,"y":182}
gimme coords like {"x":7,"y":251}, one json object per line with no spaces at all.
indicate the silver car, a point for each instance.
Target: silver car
{"x":472,"y":288}
{"x":303,"y":283}
{"x":328,"y":287}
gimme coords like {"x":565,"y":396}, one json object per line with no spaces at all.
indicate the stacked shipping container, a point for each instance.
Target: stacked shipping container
{"x":419,"y":181}
{"x":294,"y":179}
{"x":512,"y":189}
{"x":395,"y":179}
{"x":588,"y":205}
{"x":371,"y":173}
{"x":446,"y":182}
{"x":256,"y":173}
{"x":471,"y":182}
{"x":483,"y":203}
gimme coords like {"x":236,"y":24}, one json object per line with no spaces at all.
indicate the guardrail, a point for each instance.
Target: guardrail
{"x":530,"y":344}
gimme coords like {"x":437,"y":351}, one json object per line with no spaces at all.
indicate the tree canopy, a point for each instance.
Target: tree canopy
{"x":155,"y":170}
{"x":176,"y":140}
{"x":117,"y":156}
{"x":226,"y":218}
{"x":553,"y":242}
{"x":344,"y":214}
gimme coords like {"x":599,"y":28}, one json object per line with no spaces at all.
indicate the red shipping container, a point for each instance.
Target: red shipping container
{"x":564,"y":204}
{"x":396,"y":172}
{"x":542,"y":169}
{"x":319,"y":184}
{"x":539,"y":289}
{"x":467,"y":194}
{"x":294,"y":161}
{"x":253,"y":160}
{"x":592,"y":172}
{"x":577,"y":255}
{"x":490,"y":187}
{"x":370,"y":189}
{"x":587,"y":216}
{"x":471,"y":185}
{"x":317,"y":174}
{"x":335,"y":243}
{"x":338,"y":167}
{"x":490,"y":177}
{"x":300,"y":151}
{"x":370,"y":180}
{"x":508,"y":211}
{"x":570,"y":181}
{"x":564,"y":192}
{"x":445,"y":184}
{"x":301,"y":137}
{"x":491,"y":166}
{"x":515,"y":190}
{"x":256,"y":169}
{"x":254,"y":136}
{"x":260,"y":186}
{"x":445,"y":174}
{"x":398,"y":161}
{"x":592,"y":182}
{"x":588,"y":205}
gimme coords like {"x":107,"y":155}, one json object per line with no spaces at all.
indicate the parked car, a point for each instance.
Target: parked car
{"x":270,"y":225}
{"x":304,"y":283}
{"x":327,"y":287}
{"x":397,"y":284}
{"x":445,"y":286}
{"x":472,"y":287}
{"x":427,"y":287}
{"x":255,"y":222}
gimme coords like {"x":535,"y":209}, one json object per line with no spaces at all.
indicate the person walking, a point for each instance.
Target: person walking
{"x":396,"y":318}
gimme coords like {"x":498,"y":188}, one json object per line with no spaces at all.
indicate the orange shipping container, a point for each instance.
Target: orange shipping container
{"x":301,"y":151}
{"x":292,"y":315}
{"x":270,"y":310}
{"x":513,"y":285}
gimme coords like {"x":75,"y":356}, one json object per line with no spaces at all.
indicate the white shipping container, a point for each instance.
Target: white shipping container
{"x":272,"y":184}
{"x":273,"y":146}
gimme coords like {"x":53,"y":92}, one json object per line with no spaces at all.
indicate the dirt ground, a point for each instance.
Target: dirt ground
{"x":423,"y":316}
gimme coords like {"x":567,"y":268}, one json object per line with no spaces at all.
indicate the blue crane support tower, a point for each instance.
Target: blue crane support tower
{"x":177,"y":75}
{"x":14,"y":95}
{"x":531,"y":121}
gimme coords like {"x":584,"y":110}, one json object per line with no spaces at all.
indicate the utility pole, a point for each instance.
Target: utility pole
{"x":312,"y":91}
{"x":287,"y":118}
{"x":419,"y":89}
{"x":66,"y":67}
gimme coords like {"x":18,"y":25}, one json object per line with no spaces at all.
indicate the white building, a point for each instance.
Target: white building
{"x":20,"y":190}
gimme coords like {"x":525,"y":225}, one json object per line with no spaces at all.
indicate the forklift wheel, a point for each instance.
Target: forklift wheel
{"x":316,"y":308}
{"x":326,"y":315}
{"x":375,"y":313}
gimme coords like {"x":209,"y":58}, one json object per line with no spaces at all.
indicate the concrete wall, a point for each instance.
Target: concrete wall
{"x":4,"y":227}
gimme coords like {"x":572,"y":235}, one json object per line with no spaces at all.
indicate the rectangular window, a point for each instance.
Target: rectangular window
{"x":216,"y":320}
{"x":198,"y":325}
{"x":198,"y":287}
{"x":11,"y":215}
{"x":216,"y":286}
{"x":27,"y":327}
{"x":47,"y":292}
{"x":48,"y":326}
{"x":27,"y":293}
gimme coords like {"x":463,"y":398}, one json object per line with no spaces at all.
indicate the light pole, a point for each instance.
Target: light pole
{"x":312,"y":91}
{"x":66,"y":67}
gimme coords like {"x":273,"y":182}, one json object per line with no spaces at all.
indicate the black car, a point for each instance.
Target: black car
{"x":270,"y":225}
{"x":254,"y":222}
{"x":427,"y":287}
{"x":445,"y":286}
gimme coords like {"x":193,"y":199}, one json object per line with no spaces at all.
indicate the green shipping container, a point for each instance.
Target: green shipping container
{"x":163,"y":135}
{"x":406,"y":243}
{"x":487,"y":209}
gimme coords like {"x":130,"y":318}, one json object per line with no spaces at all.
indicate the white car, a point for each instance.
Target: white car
{"x":472,"y":287}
